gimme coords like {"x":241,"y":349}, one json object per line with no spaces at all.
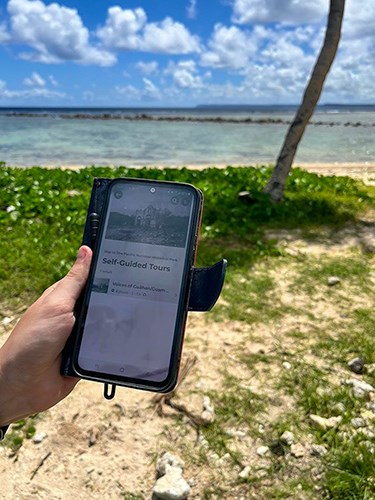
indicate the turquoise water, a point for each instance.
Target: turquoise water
{"x":44,"y":137}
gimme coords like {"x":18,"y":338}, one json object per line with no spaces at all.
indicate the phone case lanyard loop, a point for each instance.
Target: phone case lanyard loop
{"x":109,"y":393}
{"x":3,"y":431}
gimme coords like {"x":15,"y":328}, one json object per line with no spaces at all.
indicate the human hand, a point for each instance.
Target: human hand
{"x":30,"y":379}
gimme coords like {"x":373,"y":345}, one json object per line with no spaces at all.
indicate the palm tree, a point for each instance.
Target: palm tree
{"x":276,"y":184}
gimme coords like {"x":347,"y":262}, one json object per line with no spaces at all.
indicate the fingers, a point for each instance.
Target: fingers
{"x":71,"y":286}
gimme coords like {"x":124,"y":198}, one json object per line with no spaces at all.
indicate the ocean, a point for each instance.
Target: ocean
{"x":205,"y":135}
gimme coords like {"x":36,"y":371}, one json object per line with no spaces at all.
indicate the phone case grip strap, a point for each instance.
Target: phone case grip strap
{"x":206,"y":285}
{"x":98,"y":196}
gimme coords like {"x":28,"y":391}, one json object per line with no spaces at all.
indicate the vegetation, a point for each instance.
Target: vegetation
{"x":43,"y":211}
{"x":276,"y":294}
{"x":21,"y":430}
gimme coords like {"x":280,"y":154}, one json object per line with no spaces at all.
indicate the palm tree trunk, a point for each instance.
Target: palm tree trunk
{"x":276,"y":184}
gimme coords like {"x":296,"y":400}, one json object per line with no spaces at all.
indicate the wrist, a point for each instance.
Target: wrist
{"x":6,"y":410}
{"x":10,"y":410}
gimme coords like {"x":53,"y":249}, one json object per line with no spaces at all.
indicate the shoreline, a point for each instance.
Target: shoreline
{"x":364,"y":171}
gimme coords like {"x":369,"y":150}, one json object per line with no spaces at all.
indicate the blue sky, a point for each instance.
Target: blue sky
{"x":178,"y":53}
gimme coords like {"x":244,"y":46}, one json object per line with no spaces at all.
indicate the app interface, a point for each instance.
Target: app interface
{"x":131,"y":316}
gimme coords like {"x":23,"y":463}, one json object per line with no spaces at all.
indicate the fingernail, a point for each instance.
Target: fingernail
{"x":82,"y":252}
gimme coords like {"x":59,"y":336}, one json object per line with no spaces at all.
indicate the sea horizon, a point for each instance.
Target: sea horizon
{"x":197,"y":106}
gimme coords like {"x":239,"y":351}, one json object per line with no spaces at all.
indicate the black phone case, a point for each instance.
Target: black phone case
{"x":205,"y":283}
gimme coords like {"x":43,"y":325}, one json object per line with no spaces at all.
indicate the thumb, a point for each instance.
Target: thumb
{"x":71,"y":286}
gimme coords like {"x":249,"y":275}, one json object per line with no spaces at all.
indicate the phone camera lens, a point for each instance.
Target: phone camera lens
{"x":118,"y":195}
{"x":152,"y":190}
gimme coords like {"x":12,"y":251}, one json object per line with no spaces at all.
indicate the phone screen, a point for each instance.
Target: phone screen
{"x":141,"y":261}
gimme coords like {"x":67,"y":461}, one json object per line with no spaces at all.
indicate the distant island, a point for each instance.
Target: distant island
{"x":268,"y":107}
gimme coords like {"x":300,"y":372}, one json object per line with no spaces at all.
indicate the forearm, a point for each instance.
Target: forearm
{"x":30,"y":379}
{"x":15,"y":400}
{"x":4,"y":417}
{"x":24,"y":394}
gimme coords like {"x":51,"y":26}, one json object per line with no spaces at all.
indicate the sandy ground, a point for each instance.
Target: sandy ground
{"x":98,"y":449}
{"x":364,"y":171}
{"x":335,"y":168}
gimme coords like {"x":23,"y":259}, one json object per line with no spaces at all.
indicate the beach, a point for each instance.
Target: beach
{"x":362,"y":171}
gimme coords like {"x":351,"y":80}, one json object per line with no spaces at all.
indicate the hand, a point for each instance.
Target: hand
{"x":30,"y":380}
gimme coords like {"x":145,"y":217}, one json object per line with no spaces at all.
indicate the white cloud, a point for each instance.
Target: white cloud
{"x":351,"y":79}
{"x":283,"y":53}
{"x":191,"y":9}
{"x":229,"y":48}
{"x":122,"y":28}
{"x":36,"y":92}
{"x":147,"y":68}
{"x":169,"y":37}
{"x":275,"y":62}
{"x":279,"y":11}
{"x":149,"y":92}
{"x":127,"y":29}
{"x":35,"y":80}
{"x":358,"y":19}
{"x":282,"y":67}
{"x":285,"y":57}
{"x":129,"y":91}
{"x":55,"y":33}
{"x":261,"y":85}
{"x":150,"y":89}
{"x":271,"y":82}
{"x":184,"y":75}
{"x":351,"y":76}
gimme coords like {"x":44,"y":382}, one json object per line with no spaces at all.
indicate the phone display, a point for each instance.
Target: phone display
{"x":134,"y":309}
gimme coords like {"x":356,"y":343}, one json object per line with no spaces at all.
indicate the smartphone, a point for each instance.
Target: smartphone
{"x":131,"y":325}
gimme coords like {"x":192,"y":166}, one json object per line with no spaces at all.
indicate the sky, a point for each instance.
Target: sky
{"x":179,"y":53}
